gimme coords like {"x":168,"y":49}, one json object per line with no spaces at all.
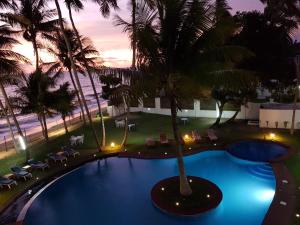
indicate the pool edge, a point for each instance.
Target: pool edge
{"x":274,"y":214}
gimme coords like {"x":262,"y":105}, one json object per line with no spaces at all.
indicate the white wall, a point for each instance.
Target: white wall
{"x":250,"y":112}
{"x":280,"y":116}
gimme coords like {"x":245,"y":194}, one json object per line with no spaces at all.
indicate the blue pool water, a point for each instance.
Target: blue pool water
{"x":116,"y":191}
{"x":261,"y":151}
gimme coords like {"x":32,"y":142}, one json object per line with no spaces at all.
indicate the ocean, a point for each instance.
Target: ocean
{"x":29,"y":122}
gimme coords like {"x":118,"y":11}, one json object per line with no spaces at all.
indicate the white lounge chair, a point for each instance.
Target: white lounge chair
{"x":80,"y":139}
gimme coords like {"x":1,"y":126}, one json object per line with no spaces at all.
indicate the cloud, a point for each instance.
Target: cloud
{"x":112,"y":43}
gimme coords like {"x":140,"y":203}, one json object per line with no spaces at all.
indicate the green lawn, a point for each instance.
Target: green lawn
{"x":148,"y":125}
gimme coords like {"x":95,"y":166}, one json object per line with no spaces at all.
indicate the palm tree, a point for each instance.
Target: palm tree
{"x":5,"y":114}
{"x":297,"y":69}
{"x":10,"y":4}
{"x":131,"y":27}
{"x":33,"y":17}
{"x":232,"y":86}
{"x":288,"y":8}
{"x":105,"y":9}
{"x":121,"y":87}
{"x":105,"y":6}
{"x":182,"y":42}
{"x":59,"y":50}
{"x":35,"y":96}
{"x":73,"y":66}
{"x":10,"y":69}
{"x":64,"y":105}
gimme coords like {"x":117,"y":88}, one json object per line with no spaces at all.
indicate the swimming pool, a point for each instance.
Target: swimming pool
{"x":260,"y":151}
{"x":116,"y":191}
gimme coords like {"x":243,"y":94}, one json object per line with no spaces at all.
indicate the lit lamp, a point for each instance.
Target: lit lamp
{"x":186,"y":136}
{"x":22,"y":142}
{"x":273,"y":136}
{"x":112,"y":144}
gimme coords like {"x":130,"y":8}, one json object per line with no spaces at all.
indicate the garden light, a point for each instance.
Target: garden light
{"x":22,"y":142}
{"x":112,"y":145}
{"x":273,"y":136}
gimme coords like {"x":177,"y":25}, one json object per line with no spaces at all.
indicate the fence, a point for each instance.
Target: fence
{"x":36,"y":134}
{"x":251,"y":112}
{"x":278,"y":118}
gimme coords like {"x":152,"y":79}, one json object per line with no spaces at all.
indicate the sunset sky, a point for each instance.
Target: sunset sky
{"x":110,"y":41}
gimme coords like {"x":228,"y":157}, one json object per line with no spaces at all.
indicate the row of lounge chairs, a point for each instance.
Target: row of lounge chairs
{"x":18,"y":173}
{"x":21,"y":173}
{"x":195,"y":135}
{"x":62,"y":155}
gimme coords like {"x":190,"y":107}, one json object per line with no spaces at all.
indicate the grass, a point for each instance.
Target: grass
{"x":148,"y":125}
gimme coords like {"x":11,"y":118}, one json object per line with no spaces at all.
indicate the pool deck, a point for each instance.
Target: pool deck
{"x":278,"y":214}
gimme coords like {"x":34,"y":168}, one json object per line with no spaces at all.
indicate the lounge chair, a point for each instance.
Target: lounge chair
{"x":20,"y":173}
{"x":69,"y":151}
{"x":80,"y":139}
{"x":39,"y":165}
{"x":57,"y":157}
{"x":150,"y":142}
{"x":73,"y":140}
{"x":163,"y":139}
{"x":196,"y":136}
{"x":6,"y":182}
{"x":212,"y":135}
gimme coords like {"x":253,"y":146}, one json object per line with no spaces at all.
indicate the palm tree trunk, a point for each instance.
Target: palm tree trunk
{"x":103,"y":141}
{"x":221,"y":107}
{"x":45,"y":126}
{"x":133,"y":2}
{"x":297,"y":69}
{"x":42,"y":125}
{"x":124,"y":141}
{"x":185,"y":188}
{"x":14,"y":118}
{"x":10,"y":109}
{"x":233,"y":117}
{"x":9,"y":124}
{"x":36,"y":53}
{"x":65,"y":125}
{"x":292,"y":131}
{"x":76,"y":75}
{"x":77,"y":94}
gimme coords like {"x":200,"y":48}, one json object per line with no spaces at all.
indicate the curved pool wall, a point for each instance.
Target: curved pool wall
{"x":258,"y":151}
{"x":116,"y":191}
